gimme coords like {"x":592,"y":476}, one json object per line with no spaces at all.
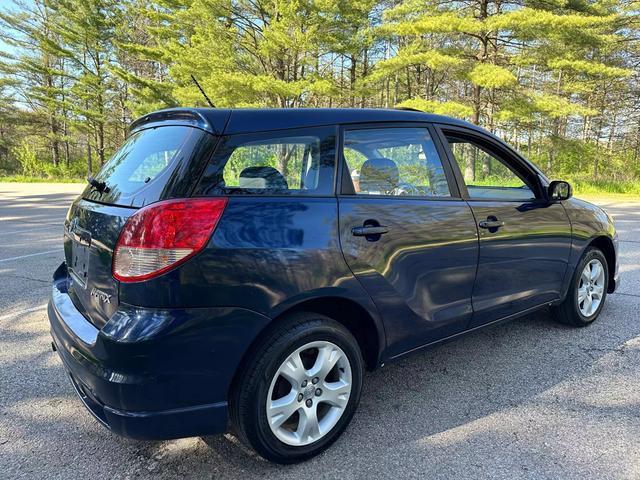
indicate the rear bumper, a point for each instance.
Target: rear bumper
{"x":153,"y":374}
{"x":161,"y":425}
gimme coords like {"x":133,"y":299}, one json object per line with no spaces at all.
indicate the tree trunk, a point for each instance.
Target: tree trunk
{"x":89,"y":160}
{"x":469,"y":164}
{"x":477,"y":89}
{"x":352,"y":79}
{"x":55,"y":144}
{"x":101,"y":143}
{"x":365,"y":71}
{"x":596,"y":159}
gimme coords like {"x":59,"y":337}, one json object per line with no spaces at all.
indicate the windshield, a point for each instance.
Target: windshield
{"x":150,"y":166}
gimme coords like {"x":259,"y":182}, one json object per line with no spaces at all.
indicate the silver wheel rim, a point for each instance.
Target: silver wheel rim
{"x":309,"y":393}
{"x":591,"y":288}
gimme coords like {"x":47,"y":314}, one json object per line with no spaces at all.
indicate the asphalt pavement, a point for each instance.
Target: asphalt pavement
{"x":526,"y":399}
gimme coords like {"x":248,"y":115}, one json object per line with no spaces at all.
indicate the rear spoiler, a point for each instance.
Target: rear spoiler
{"x":210,"y":120}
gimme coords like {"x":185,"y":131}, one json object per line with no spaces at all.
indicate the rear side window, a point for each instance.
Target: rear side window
{"x":151,"y":165}
{"x":286,"y":162}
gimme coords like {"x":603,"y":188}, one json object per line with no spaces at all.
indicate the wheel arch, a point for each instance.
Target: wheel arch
{"x":354,"y":317}
{"x":362,"y":324}
{"x":605,"y":245}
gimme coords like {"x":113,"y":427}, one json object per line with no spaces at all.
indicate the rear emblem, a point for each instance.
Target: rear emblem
{"x":100,"y":295}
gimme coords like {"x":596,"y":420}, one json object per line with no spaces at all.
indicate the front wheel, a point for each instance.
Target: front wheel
{"x":300,"y":388}
{"x":587,"y":292}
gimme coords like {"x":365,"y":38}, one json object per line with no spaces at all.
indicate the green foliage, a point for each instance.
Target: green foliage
{"x":596,"y":69}
{"x":27,"y":159}
{"x":559,"y":79}
{"x":531,"y":23}
{"x":491,"y":76}
{"x":557,"y":107}
{"x":447,"y":22}
{"x":434,"y":60}
{"x":34,"y":167}
{"x":452,"y":109}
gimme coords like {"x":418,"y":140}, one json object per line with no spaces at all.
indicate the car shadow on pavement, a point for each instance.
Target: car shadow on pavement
{"x":46,"y":208}
{"x":529,"y":398}
{"x":504,"y":386}
{"x":500,"y":388}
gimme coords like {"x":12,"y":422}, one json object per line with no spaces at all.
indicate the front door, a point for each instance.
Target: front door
{"x":524,"y":238}
{"x":406,"y":233}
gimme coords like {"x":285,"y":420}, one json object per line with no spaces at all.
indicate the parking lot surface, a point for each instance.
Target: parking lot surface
{"x":526,"y":399}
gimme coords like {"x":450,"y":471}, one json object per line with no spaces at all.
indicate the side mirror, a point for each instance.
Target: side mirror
{"x":559,"y":190}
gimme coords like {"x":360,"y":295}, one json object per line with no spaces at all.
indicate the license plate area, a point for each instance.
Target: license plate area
{"x":80,"y":256}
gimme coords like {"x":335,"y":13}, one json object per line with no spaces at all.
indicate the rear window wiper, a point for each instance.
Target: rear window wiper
{"x":101,"y":187}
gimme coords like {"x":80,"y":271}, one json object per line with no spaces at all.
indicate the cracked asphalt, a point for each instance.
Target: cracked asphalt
{"x":526,"y":399}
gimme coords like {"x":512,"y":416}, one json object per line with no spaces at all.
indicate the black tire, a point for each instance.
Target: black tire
{"x":250,"y":391}
{"x":568,"y":312}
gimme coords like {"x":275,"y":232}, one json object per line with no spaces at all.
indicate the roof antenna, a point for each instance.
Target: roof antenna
{"x":202,"y":92}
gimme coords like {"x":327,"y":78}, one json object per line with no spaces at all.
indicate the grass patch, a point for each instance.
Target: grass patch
{"x":605,"y":187}
{"x":581,"y":187}
{"x":29,"y":179}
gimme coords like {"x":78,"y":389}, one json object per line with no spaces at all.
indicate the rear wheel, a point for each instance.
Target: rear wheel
{"x":588,"y":290}
{"x":299,"y":390}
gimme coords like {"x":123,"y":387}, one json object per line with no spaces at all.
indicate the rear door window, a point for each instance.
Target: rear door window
{"x":395,"y":161}
{"x":287,"y":162}
{"x":153,"y":164}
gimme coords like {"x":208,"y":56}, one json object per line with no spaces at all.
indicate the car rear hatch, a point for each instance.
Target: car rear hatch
{"x":158,"y":161}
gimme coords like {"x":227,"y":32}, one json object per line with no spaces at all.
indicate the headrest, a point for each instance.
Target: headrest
{"x":379,"y":175}
{"x":262,"y":177}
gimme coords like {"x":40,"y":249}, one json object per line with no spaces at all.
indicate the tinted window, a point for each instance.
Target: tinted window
{"x":151,"y":165}
{"x":394,"y":161}
{"x":486,"y":175}
{"x":299,"y":162}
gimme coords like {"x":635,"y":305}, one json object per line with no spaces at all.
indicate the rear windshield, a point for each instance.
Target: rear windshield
{"x":153,"y":164}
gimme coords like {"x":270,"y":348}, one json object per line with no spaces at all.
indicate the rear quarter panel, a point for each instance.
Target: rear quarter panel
{"x":268,"y":254}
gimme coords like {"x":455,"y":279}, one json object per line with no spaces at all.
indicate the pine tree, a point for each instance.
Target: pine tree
{"x":492,"y":49}
{"x":86,"y":32}
{"x":558,"y":79}
{"x":35,"y":69}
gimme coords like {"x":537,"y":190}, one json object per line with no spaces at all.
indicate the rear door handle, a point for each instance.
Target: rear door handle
{"x":491,"y":223}
{"x":369,"y":230}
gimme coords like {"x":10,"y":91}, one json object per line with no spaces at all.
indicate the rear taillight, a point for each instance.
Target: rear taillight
{"x":163,"y":235}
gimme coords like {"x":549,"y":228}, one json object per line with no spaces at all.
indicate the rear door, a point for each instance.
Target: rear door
{"x":524,"y":239}
{"x":406,"y":233}
{"x":153,"y":164}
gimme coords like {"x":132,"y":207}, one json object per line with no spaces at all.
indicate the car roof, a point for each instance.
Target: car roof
{"x":245,"y":120}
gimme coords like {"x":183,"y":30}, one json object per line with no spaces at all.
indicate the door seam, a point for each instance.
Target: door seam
{"x":475,"y":278}
{"x":384,"y":329}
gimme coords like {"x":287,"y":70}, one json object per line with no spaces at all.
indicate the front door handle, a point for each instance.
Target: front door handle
{"x":369,"y":230}
{"x":492,"y":223}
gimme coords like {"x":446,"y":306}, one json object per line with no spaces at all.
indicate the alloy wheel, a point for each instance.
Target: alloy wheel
{"x":591,"y":288}
{"x":309,"y":393}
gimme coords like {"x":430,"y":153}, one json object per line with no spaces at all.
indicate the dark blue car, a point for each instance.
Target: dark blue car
{"x":242,"y":268}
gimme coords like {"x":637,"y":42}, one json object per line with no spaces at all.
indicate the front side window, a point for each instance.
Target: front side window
{"x":394,"y":161}
{"x":485,"y":174}
{"x":278,"y":163}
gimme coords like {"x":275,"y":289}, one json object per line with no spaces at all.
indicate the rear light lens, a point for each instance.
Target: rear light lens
{"x":163,"y":235}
